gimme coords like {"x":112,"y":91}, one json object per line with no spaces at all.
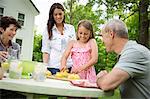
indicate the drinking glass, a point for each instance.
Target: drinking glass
{"x":12,"y":53}
{"x":15,"y":70}
{"x":40,"y":72}
{"x":5,"y":67}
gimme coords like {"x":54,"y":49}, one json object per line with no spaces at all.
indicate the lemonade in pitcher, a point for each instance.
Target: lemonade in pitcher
{"x":15,"y":71}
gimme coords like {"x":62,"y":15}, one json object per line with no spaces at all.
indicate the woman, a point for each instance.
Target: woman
{"x":56,"y":37}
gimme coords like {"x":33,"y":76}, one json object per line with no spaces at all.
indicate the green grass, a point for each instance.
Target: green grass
{"x":115,"y":96}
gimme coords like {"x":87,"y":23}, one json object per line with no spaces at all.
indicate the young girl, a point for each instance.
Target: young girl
{"x":84,"y":52}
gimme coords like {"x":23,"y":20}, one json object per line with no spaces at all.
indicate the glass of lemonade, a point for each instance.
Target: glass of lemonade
{"x":12,"y":55}
{"x":39,"y":72}
{"x":15,"y":70}
{"x":5,"y":66}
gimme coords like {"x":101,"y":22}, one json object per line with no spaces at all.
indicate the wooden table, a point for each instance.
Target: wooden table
{"x":50,"y":87}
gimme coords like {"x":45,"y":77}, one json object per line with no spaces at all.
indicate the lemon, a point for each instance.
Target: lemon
{"x":65,"y":74}
{"x":59,"y":75}
{"x":73,"y":76}
{"x":48,"y":73}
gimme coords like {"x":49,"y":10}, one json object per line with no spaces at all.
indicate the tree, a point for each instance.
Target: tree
{"x":80,"y":12}
{"x":127,"y":8}
{"x":144,"y":22}
{"x":69,"y":5}
{"x":37,"y":54}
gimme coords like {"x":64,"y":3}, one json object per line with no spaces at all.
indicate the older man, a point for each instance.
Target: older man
{"x":132,"y":71}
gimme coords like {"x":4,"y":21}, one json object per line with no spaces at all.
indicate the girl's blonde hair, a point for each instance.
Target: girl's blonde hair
{"x":88,"y":25}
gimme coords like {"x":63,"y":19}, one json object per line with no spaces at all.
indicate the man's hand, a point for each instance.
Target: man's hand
{"x":101,"y":74}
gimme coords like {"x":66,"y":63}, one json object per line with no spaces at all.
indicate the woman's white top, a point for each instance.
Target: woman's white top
{"x":56,"y":46}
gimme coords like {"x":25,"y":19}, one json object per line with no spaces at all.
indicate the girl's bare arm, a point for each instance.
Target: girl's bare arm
{"x":66,"y":55}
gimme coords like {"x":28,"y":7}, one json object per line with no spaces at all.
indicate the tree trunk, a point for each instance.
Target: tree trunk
{"x":143,"y":23}
{"x":71,"y":2}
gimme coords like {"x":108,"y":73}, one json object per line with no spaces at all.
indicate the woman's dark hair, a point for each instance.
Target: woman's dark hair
{"x":6,"y":21}
{"x":51,"y":21}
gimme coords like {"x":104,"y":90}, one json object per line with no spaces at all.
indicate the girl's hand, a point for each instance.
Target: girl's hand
{"x":80,"y":69}
{"x":74,"y":70}
{"x":63,"y":68}
{"x":3,"y":56}
{"x":77,"y":70}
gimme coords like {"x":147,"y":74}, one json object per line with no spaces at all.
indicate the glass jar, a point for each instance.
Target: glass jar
{"x":15,"y":70}
{"x":39,"y":72}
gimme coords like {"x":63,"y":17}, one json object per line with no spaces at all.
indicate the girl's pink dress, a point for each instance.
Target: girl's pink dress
{"x":81,"y":56}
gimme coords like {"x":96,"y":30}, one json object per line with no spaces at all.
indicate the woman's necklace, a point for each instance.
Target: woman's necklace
{"x":61,"y":29}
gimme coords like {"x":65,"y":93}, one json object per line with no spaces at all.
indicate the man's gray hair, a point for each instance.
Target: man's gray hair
{"x":118,"y":27}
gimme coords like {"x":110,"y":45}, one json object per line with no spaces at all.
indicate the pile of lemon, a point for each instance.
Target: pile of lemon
{"x":66,"y":75}
{"x":48,"y":73}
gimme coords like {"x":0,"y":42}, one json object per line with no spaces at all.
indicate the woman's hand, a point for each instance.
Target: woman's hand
{"x":3,"y":56}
